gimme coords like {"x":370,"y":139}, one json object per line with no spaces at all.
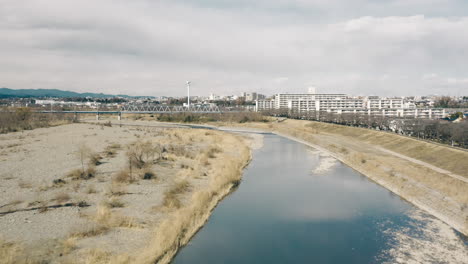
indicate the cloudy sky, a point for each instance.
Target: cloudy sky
{"x":151,"y":47}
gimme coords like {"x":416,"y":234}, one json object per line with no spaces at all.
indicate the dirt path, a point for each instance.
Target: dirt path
{"x":424,"y":164}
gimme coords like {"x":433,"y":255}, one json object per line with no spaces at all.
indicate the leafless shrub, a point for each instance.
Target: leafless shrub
{"x":140,"y":154}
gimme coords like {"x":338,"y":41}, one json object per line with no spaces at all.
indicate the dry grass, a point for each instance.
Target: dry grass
{"x":112,"y":150}
{"x":109,"y":219}
{"x":68,"y":245}
{"x":10,"y":253}
{"x":437,"y":155}
{"x":95,"y":159}
{"x":123,"y":176}
{"x":172,"y":196}
{"x":91,"y":230}
{"x":19,"y":119}
{"x":212,"y":151}
{"x":114,"y":203}
{"x":24,"y":184}
{"x":189,"y":201}
{"x":91,"y":189}
{"x":176,"y":230}
{"x":61,"y":197}
{"x":116,"y":189}
{"x":97,"y":256}
{"x":79,"y":174}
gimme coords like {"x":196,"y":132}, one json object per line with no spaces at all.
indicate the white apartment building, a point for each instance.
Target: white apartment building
{"x":282,"y":100}
{"x":341,"y":103}
{"x":261,"y":105}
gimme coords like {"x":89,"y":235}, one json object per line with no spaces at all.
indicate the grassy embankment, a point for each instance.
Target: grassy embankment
{"x":368,"y":152}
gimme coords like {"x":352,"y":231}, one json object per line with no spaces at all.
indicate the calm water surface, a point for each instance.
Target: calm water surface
{"x":285,"y":212}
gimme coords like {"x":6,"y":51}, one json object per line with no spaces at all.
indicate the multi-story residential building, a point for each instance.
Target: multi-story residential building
{"x":341,"y":103}
{"x":282,"y":100}
{"x":262,"y":105}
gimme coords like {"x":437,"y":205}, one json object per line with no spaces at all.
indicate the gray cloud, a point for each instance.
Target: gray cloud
{"x":151,"y":47}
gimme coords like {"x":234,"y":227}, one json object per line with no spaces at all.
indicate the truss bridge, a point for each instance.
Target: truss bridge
{"x":169,"y":109}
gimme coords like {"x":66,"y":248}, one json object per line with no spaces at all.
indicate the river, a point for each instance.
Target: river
{"x":296,"y":205}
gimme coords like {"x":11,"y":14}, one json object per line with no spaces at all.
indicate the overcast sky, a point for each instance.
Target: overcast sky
{"x":151,"y":47}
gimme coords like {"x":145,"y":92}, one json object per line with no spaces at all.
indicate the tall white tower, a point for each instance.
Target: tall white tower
{"x":188,"y":94}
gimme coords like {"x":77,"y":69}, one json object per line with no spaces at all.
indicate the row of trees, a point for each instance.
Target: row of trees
{"x":449,"y":102}
{"x":442,"y":131}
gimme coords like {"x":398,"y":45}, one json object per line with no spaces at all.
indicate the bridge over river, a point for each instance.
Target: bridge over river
{"x":147,"y":109}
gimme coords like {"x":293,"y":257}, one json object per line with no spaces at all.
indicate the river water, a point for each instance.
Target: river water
{"x":296,"y":205}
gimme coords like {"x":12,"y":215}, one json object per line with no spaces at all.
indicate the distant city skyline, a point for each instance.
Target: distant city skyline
{"x":356,"y":47}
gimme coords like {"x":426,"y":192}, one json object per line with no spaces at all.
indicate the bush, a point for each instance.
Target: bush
{"x":148,"y":175}
{"x":140,"y":154}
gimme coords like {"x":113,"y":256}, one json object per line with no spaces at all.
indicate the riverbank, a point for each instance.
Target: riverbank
{"x":73,"y":194}
{"x":430,"y":176}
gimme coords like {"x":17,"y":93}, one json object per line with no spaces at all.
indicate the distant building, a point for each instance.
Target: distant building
{"x":342,"y":104}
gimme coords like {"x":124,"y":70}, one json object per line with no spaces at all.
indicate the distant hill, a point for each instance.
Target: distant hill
{"x":9,"y":93}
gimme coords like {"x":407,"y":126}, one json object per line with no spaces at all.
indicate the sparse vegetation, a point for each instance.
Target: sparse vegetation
{"x":114,"y":194}
{"x":62,"y":197}
{"x":11,"y":253}
{"x":172,"y":196}
{"x":109,"y":219}
{"x":90,"y":231}
{"x":236,"y":117}
{"x":123,"y":176}
{"x":19,"y":119}
{"x":114,"y":203}
{"x":91,"y":189}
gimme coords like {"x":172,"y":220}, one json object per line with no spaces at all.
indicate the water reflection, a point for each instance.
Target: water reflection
{"x":287,"y":212}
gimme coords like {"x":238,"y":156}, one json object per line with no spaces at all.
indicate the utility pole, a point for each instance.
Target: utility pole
{"x":188,"y":94}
